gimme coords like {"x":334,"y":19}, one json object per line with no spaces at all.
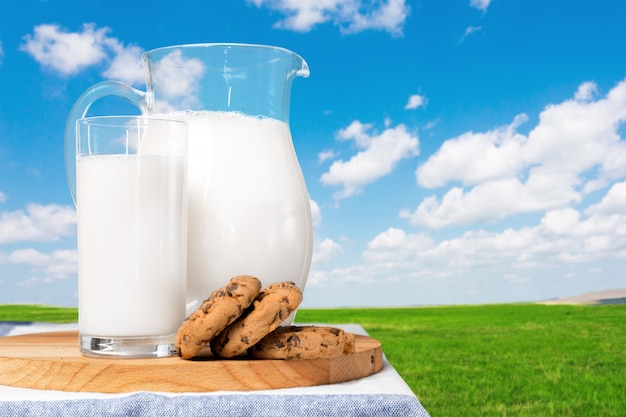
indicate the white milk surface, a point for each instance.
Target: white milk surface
{"x":131,"y":247}
{"x":249,"y":210}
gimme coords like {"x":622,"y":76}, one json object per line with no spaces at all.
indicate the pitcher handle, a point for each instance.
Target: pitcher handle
{"x":79,"y":110}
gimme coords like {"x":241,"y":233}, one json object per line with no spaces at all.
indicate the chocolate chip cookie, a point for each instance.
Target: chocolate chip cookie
{"x":271,"y":307}
{"x":218,"y":311}
{"x":304,"y":342}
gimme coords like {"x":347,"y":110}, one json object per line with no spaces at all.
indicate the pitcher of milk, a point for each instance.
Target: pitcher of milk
{"x":249,"y":211}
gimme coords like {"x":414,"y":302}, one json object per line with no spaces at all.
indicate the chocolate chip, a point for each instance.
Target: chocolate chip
{"x":334,"y":331}
{"x":294,"y":339}
{"x":231,"y":288}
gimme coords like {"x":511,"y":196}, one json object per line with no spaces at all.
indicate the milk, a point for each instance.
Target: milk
{"x":249,"y":209}
{"x":131,"y":242}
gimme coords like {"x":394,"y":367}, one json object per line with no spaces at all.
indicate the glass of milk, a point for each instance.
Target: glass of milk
{"x":131,"y":200}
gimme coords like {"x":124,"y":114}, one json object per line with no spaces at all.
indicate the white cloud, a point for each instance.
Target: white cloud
{"x":326,"y":155}
{"x":480,"y":4}
{"x":515,"y":278}
{"x":3,"y":197}
{"x":489,"y":202}
{"x":575,"y":148}
{"x":38,"y":223}
{"x":126,"y":63}
{"x":316,"y":214}
{"x":352,"y":16}
{"x":31,"y":282}
{"x":391,"y":239}
{"x":613,"y":167}
{"x":473,"y":158}
{"x":395,"y":246}
{"x":469,"y":31}
{"x":356,"y":275}
{"x":379,"y":155}
{"x":177,"y":75}
{"x":562,"y":237}
{"x":586,"y":91}
{"x":415,"y":101}
{"x":179,"y":79}
{"x":389,"y":16}
{"x":431,"y":124}
{"x":614,"y":202}
{"x":317,"y":279}
{"x":68,"y":52}
{"x":325,"y":250}
{"x":1,"y":53}
{"x":58,"y":264}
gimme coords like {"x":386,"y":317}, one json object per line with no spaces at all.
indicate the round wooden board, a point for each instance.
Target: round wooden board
{"x":52,"y":361}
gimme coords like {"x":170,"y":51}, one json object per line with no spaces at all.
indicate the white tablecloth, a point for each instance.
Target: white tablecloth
{"x":382,"y":394}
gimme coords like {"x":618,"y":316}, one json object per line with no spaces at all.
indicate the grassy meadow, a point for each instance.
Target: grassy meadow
{"x":503,"y":360}
{"x":487,"y":360}
{"x":26,"y":312}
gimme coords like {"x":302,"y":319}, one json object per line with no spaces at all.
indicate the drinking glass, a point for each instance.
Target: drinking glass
{"x":131,"y":201}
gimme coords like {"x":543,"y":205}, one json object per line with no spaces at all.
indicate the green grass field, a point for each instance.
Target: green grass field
{"x":489,"y":360}
{"x":26,"y":312}
{"x":503,"y":360}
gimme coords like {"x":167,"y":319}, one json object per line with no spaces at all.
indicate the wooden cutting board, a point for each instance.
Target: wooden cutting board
{"x":52,"y":361}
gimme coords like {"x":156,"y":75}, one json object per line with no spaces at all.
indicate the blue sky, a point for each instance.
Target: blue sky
{"x":468,"y":151}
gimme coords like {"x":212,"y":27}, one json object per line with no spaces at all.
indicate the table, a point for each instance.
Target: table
{"x":381,"y":394}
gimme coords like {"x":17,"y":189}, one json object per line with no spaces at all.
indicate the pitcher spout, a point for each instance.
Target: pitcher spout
{"x":301,"y":67}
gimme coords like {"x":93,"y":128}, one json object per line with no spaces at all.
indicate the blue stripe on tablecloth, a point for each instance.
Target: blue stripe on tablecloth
{"x":248,"y":405}
{"x":7,"y":326}
{"x":14,"y":328}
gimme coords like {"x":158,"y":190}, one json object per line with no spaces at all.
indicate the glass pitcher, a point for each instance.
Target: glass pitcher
{"x":249,"y":210}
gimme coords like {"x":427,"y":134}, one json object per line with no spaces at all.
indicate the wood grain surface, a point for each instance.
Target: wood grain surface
{"x":52,"y":361}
